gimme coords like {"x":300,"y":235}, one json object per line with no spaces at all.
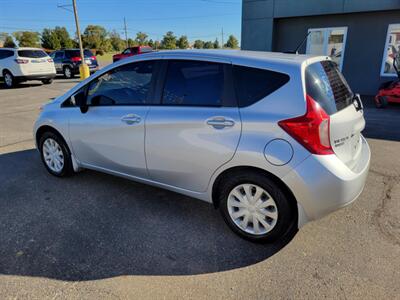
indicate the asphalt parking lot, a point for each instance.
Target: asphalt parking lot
{"x":95,"y":236}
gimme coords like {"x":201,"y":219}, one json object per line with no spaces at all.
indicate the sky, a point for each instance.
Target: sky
{"x":197,"y":19}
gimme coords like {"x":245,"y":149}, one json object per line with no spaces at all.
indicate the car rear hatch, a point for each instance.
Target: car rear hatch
{"x":34,"y":61}
{"x":75,"y":56}
{"x":326,"y":85}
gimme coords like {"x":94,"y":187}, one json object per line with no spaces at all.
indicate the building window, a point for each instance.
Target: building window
{"x":328,"y":41}
{"x":392,"y":50}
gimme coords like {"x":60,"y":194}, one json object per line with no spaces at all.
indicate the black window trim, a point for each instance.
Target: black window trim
{"x":229,"y":95}
{"x":150,"y":96}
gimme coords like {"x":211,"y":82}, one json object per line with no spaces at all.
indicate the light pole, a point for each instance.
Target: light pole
{"x":83,"y":68}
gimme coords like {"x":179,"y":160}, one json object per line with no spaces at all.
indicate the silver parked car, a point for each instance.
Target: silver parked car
{"x":272,"y":140}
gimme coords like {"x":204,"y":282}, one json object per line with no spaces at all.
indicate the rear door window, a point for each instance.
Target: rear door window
{"x":253,"y":84}
{"x":326,"y":85}
{"x":125,"y":85}
{"x":193,"y":83}
{"x":32,"y":53}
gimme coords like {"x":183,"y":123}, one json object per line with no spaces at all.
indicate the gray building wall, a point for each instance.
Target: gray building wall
{"x":280,"y":25}
{"x":366,"y":37}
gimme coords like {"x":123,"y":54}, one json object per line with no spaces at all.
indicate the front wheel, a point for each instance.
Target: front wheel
{"x":55,"y":155}
{"x":256,"y":208}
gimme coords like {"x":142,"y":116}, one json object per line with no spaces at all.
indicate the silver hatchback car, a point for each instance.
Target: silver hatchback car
{"x":272,"y":140}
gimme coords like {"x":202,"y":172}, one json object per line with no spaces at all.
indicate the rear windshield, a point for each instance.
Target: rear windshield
{"x":326,"y":85}
{"x":77,"y":53}
{"x":32,"y":53}
{"x":146,"y":49}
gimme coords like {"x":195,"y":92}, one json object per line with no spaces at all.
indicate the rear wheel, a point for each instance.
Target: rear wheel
{"x":255,"y":207}
{"x":381,"y":101}
{"x":68,"y":72}
{"x":55,"y":155}
{"x":47,"y":81}
{"x":9,"y":80}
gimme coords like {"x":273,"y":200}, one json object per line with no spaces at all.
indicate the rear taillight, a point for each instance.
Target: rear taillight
{"x":21,"y":61}
{"x":76,"y":59}
{"x":312,"y":129}
{"x":93,"y":57}
{"x":49,"y":60}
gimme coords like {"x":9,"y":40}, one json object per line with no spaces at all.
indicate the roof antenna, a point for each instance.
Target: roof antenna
{"x":296,"y":51}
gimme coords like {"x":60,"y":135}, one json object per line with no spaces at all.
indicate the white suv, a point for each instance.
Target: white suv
{"x":22,"y":64}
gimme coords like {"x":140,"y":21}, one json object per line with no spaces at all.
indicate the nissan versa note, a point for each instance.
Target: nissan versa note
{"x":272,"y":140}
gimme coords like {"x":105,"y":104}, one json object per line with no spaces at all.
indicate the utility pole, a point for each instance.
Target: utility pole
{"x":126,"y":34}
{"x":83,"y":69}
{"x":222,"y":38}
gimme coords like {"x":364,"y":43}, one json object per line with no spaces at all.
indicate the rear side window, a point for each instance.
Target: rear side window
{"x":125,"y":85}
{"x":77,"y":53}
{"x":59,"y":55}
{"x":32,"y":53}
{"x":253,"y":84}
{"x":6,"y":53}
{"x":194,"y":83}
{"x":326,"y":85}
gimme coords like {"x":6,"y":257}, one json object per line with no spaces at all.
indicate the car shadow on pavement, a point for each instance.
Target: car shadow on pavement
{"x":93,"y":226}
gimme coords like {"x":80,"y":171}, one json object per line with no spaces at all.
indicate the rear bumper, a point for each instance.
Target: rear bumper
{"x":36,"y":77}
{"x":323,"y":183}
{"x":92,"y":68}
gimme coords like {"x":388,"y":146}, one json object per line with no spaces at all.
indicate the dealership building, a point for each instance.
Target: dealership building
{"x":362,"y":36}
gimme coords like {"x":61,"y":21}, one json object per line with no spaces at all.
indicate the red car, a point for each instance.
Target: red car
{"x":389,"y":92}
{"x":132,"y":51}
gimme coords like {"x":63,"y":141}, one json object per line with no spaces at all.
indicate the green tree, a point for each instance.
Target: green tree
{"x":169,"y":41}
{"x":183,"y":42}
{"x":63,"y":37}
{"x":150,"y":43}
{"x":117,"y":43}
{"x":198,"y":44}
{"x":208,"y":45}
{"x":50,"y":39}
{"x":95,"y":37}
{"x":131,"y":42}
{"x":141,"y":38}
{"x":232,"y":42}
{"x":157,"y":44}
{"x":9,"y":42}
{"x":216,"y":44}
{"x":27,"y":38}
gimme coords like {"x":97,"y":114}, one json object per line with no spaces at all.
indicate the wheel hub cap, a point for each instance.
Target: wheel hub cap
{"x":252,"y":209}
{"x":53,"y":155}
{"x":8,"y":79}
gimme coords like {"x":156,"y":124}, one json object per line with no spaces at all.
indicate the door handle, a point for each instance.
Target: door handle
{"x":131,"y":119}
{"x":220,"y":122}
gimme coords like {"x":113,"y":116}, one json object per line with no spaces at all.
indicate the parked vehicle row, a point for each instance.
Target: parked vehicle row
{"x":272,"y":140}
{"x":67,"y":61}
{"x":23,"y":64}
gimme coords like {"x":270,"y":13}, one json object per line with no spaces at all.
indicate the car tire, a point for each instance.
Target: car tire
{"x":9,"y":80}
{"x":68,"y":74}
{"x":55,"y":155}
{"x":279,"y":214}
{"x":47,"y":81}
{"x":381,"y":101}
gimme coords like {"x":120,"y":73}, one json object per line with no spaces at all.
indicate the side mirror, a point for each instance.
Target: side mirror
{"x":80,"y":101}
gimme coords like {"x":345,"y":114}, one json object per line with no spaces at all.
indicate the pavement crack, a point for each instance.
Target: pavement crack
{"x":386,"y":222}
